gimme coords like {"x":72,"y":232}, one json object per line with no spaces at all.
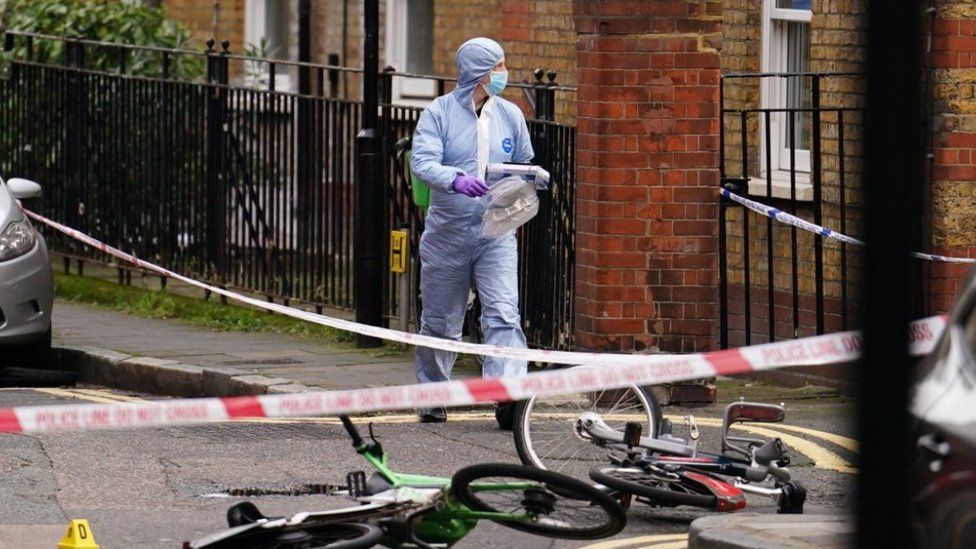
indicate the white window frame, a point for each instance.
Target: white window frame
{"x":254,"y":25}
{"x":406,"y":91}
{"x":773,"y":94}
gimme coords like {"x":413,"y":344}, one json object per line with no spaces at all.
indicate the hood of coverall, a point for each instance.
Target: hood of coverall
{"x":474,"y":59}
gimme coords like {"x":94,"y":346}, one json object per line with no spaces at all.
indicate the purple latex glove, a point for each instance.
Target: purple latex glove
{"x":471,"y":186}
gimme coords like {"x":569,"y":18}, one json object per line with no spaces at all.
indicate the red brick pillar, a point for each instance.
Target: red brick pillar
{"x":953,"y":192}
{"x":647,"y":168}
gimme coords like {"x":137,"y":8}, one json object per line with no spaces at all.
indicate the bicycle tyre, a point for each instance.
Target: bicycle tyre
{"x":633,"y":480}
{"x":333,"y":535}
{"x":605,"y":515}
{"x":545,"y":433}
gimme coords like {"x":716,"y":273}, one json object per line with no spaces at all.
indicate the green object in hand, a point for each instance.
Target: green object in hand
{"x":419,"y":189}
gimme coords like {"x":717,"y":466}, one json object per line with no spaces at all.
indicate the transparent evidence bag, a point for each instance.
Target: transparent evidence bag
{"x":511,"y":200}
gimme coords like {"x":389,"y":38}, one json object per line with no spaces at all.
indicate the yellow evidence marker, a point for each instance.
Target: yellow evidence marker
{"x":79,"y":536}
{"x":398,"y":251}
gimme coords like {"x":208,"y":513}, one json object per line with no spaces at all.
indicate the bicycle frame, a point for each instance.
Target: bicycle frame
{"x":446,"y":520}
{"x":668,"y":450}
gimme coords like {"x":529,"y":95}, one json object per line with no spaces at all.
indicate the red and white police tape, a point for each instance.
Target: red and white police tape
{"x":598,"y":371}
{"x":825,"y":349}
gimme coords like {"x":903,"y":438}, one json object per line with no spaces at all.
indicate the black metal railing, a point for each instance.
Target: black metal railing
{"x":802,"y":155}
{"x":199,"y":160}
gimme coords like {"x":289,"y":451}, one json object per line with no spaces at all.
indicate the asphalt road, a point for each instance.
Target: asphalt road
{"x":157,"y":488}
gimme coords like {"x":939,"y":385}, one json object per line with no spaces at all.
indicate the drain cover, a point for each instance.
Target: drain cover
{"x":257,"y":431}
{"x":263,"y":362}
{"x":307,"y":489}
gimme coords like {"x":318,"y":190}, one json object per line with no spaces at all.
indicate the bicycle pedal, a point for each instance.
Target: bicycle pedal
{"x":632,"y":433}
{"x":356,"y":481}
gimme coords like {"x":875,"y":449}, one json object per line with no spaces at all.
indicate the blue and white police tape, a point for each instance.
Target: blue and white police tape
{"x":783,"y":217}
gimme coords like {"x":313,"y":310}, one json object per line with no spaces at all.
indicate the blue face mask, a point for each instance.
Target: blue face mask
{"x":498,"y":82}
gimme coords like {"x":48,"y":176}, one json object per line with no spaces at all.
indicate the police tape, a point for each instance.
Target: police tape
{"x":783,"y":217}
{"x":818,"y":350}
{"x":597,"y":371}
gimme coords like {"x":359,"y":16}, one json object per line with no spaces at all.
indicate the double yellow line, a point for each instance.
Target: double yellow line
{"x":822,"y":457}
{"x":658,"y":541}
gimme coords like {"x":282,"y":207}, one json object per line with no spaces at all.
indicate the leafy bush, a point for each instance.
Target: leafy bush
{"x":103,"y":20}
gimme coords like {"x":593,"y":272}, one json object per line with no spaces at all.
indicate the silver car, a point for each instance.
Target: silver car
{"x":26,"y":283}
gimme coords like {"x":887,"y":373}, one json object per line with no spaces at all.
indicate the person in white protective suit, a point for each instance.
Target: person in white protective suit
{"x":457,"y":136}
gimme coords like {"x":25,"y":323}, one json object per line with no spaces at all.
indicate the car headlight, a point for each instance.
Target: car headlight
{"x":17,"y":239}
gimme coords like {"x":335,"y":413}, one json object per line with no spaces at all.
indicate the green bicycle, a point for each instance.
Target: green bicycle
{"x":398,"y":509}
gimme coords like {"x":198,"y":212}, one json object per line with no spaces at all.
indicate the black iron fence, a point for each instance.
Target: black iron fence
{"x":791,"y":141}
{"x":198,"y":160}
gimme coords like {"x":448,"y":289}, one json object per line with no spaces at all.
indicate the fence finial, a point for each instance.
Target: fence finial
{"x":210,"y":45}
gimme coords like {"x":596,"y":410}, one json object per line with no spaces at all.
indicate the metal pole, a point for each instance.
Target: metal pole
{"x":75,"y":106}
{"x":304,"y":45}
{"x":892,"y":173}
{"x":723,"y":283}
{"x":214,"y":167}
{"x":368,"y":279}
{"x":305,"y":147}
{"x":817,"y":203}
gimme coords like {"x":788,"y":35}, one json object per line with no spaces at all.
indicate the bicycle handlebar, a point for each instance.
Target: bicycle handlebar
{"x":357,"y":440}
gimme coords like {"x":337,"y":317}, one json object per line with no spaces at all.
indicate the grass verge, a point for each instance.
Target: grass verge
{"x":210,"y":314}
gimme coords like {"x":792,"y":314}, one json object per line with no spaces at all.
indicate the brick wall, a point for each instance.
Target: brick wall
{"x":534,"y":34}
{"x":647,"y":153}
{"x":953,"y":192}
{"x":458,"y":20}
{"x":541,"y":34}
{"x":219,"y":19}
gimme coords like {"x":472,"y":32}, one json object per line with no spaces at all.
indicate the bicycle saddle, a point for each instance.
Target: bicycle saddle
{"x":242,"y":513}
{"x":376,"y":484}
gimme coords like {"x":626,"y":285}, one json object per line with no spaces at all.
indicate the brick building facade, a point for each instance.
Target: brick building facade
{"x":222,"y":20}
{"x":831,"y":38}
{"x":536,"y":35}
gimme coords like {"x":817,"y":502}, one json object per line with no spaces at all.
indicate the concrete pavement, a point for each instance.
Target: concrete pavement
{"x":761,"y":531}
{"x":177,"y":358}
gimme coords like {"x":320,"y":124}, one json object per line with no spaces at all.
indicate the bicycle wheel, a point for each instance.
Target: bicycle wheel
{"x":657,"y":489}
{"x":335,"y":535}
{"x":546,"y":435}
{"x":556,"y":505}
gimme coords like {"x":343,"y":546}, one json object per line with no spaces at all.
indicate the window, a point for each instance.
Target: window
{"x":410,"y":48}
{"x":266,"y":35}
{"x":786,"y":49}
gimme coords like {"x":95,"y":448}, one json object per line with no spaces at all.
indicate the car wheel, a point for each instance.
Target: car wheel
{"x":35,"y":354}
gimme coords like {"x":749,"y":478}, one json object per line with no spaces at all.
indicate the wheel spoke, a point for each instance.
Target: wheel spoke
{"x":548,"y":439}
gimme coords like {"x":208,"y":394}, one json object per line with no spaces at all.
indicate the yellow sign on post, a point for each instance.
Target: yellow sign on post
{"x":79,"y":536}
{"x":398,"y":251}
